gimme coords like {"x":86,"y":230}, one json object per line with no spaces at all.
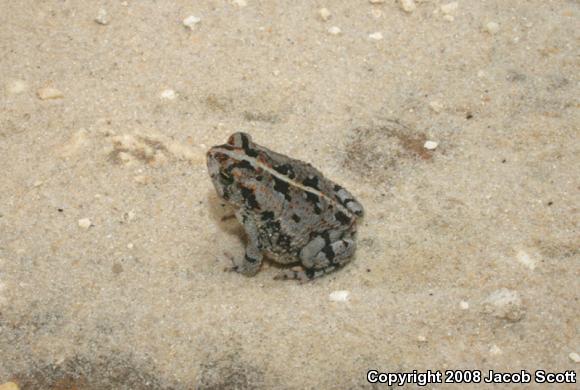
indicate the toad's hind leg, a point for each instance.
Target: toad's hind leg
{"x":321,"y":256}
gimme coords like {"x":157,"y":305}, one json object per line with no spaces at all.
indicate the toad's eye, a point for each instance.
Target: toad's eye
{"x":226,"y":178}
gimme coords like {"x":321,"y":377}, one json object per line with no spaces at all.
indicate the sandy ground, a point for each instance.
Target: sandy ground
{"x":113,"y":242}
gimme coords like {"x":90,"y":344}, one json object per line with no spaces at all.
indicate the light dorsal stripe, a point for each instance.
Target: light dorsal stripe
{"x":256,"y":163}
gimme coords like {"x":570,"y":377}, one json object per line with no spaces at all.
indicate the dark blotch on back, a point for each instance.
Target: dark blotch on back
{"x":342,"y":218}
{"x":311,"y":182}
{"x":267,"y":215}
{"x":314,"y":199}
{"x":250,"y":198}
{"x":282,"y":187}
{"x":296,"y":218}
{"x":286,"y":170}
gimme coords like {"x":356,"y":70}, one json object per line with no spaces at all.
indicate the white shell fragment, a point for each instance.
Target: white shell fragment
{"x":408,"y":5}
{"x":339,"y":296}
{"x":15,"y":87}
{"x":430,"y":145}
{"x":492,"y":27}
{"x":49,"y":93}
{"x":574,"y":357}
{"x":334,"y":30}
{"x":324,"y":14}
{"x":168,"y":94}
{"x":191,"y":21}
{"x":102,"y":17}
{"x":240,"y":3}
{"x":464,"y":305}
{"x":85,"y":223}
{"x":376,"y":36}
{"x":449,"y":7}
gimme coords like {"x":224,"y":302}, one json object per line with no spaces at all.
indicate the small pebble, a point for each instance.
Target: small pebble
{"x":168,"y":94}
{"x":505,"y":304}
{"x":102,"y":17}
{"x":49,"y":93}
{"x":130,"y":245}
{"x":495,"y":350}
{"x":85,"y":223}
{"x":376,"y":36}
{"x":449,"y":7}
{"x":376,"y":1}
{"x":76,"y":143}
{"x":240,"y":3}
{"x":574,"y":357}
{"x":526,"y":260}
{"x":142,"y":179}
{"x":436,"y":106}
{"x":129,"y":216}
{"x":408,"y":5}
{"x":430,"y":145}
{"x":334,"y":30}
{"x":464,"y":305}
{"x":339,"y":296}
{"x":15,"y":87}
{"x":117,"y":268}
{"x":125,"y":158}
{"x":422,"y":339}
{"x":324,"y":14}
{"x":37,"y":183}
{"x":191,"y":21}
{"x":492,"y":27}
{"x":377,"y":13}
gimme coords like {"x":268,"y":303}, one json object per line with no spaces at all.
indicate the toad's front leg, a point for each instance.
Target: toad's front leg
{"x":252,"y":260}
